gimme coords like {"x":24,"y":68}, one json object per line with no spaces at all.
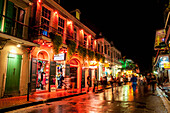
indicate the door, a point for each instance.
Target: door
{"x":83,"y":79}
{"x":52,"y":73}
{"x":33,"y":76}
{"x":90,"y":77}
{"x":13,"y":74}
{"x":73,"y":72}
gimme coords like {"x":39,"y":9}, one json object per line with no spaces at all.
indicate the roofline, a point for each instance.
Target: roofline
{"x":70,"y":16}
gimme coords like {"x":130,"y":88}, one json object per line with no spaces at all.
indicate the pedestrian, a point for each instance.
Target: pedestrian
{"x":134,"y":83}
{"x":61,"y":80}
{"x":111,"y":82}
{"x":95,"y":83}
{"x":141,"y":85}
{"x":88,"y":82}
{"x":72,"y":82}
{"x":104,"y":82}
{"x":121,"y":80}
{"x":153,"y":82}
{"x":148,"y":80}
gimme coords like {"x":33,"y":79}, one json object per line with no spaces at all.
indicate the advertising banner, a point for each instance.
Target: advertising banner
{"x":160,"y":39}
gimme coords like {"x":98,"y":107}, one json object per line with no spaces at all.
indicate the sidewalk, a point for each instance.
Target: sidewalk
{"x":12,"y":103}
{"x":164,"y":99}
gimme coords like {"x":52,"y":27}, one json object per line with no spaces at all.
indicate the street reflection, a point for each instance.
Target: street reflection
{"x":121,"y":98}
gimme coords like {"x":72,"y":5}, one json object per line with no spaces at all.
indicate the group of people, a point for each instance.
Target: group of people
{"x":148,"y":81}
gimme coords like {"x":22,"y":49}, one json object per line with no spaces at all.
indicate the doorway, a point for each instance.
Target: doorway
{"x":73,"y":73}
{"x":13,"y":74}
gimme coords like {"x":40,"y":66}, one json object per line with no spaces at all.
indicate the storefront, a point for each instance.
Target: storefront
{"x":60,"y":68}
{"x":41,"y":68}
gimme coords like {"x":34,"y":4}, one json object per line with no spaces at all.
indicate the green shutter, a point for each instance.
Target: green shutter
{"x":8,"y":26}
{"x":1,"y":11}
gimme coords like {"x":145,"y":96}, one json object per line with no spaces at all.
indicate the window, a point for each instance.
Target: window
{"x":14,"y":13}
{"x":102,"y":49}
{"x":85,"y":39}
{"x":105,"y":49}
{"x":92,"y":43}
{"x":61,"y":26}
{"x":45,"y":20}
{"x":98,"y":47}
{"x":58,"y":1}
{"x":75,"y":34}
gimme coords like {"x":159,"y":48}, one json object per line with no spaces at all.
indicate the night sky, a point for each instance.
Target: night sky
{"x":130,"y":24}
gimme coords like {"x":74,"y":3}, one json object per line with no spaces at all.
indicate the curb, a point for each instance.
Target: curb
{"x":36,"y":103}
{"x":165,"y":101}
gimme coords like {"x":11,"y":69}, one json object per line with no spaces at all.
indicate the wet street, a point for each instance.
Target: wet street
{"x":121,"y":101}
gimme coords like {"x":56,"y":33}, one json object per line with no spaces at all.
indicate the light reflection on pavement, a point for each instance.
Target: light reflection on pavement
{"x":121,"y":101}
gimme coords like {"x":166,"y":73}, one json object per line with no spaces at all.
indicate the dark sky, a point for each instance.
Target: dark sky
{"x":130,"y":24}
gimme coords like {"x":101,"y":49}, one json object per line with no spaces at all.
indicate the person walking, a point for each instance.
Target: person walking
{"x":88,"y":82}
{"x":61,"y":80}
{"x":94,"y":83}
{"x":134,"y":83}
{"x":153,"y":82}
{"x":104,"y":82}
{"x":141,"y":85}
{"x":111,"y":82}
{"x":148,"y":80}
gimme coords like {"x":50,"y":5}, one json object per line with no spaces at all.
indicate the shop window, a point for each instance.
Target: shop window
{"x":43,"y":75}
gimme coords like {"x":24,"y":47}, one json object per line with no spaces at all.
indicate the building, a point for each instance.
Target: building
{"x":111,"y":66}
{"x":40,"y":41}
{"x":115,"y":57}
{"x":15,"y":46}
{"x":68,"y":58}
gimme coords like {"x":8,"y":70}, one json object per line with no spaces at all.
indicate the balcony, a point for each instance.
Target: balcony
{"x":16,"y":28}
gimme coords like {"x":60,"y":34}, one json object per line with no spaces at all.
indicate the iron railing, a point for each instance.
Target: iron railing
{"x":16,"y":28}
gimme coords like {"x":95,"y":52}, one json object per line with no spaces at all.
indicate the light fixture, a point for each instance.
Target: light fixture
{"x":55,"y":13}
{"x":18,"y":45}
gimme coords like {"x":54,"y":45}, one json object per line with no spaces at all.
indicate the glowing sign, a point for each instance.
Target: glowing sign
{"x":160,"y":39}
{"x":61,"y":56}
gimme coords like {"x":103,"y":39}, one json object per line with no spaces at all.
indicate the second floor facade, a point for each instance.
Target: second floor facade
{"x":35,"y":19}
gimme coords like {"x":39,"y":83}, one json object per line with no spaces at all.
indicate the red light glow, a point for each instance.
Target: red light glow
{"x":55,"y":13}
{"x":69,"y":22}
{"x":39,"y":1}
{"x":82,"y":31}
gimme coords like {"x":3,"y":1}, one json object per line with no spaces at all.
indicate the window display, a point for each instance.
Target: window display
{"x":42,"y":77}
